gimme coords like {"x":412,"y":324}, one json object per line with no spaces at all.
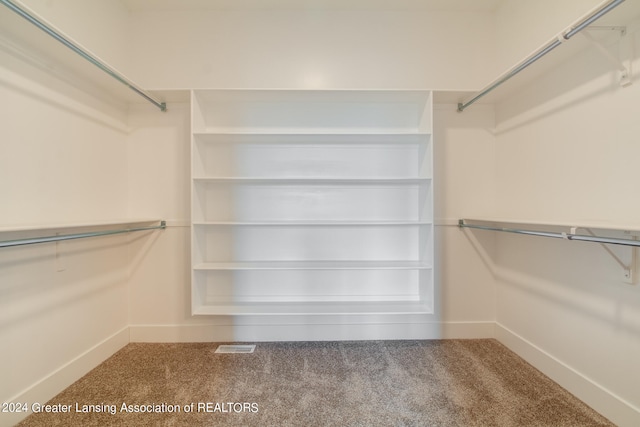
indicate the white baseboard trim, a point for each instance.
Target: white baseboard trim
{"x":617,"y":410}
{"x":63,"y":377}
{"x":311,"y":332}
{"x":468,"y":330}
{"x":180,"y":333}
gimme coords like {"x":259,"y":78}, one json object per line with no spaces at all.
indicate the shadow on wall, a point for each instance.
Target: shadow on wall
{"x":61,"y":274}
{"x":576,"y":277}
{"x":564,"y":87}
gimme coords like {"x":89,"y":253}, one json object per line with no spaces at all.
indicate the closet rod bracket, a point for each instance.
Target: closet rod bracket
{"x":628,"y":270}
{"x":614,"y":60}
{"x":631,"y":271}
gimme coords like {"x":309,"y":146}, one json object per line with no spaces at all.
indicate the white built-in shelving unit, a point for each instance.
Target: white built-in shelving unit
{"x":312,"y":202}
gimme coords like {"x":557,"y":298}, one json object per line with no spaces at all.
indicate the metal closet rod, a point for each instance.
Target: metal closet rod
{"x":47,"y":239}
{"x":567,"y":236}
{"x":565,"y":35}
{"x":20,"y":10}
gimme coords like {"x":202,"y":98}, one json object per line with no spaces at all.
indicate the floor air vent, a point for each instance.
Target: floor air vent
{"x":235,"y":349}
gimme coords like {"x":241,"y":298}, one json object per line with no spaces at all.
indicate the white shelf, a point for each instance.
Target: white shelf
{"x":312,"y":180}
{"x":339,"y":223}
{"x":563,"y":224}
{"x":317,"y":308}
{"x":221,"y":136}
{"x":312,"y":202}
{"x":315,"y":265}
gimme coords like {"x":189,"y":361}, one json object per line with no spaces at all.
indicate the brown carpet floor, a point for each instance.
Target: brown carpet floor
{"x":355,"y":383}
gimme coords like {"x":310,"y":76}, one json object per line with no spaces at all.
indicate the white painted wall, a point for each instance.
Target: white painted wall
{"x":523,"y":26}
{"x":101,"y":26}
{"x":464,"y":166}
{"x":159,"y":186}
{"x":63,"y":307}
{"x":310,"y":48}
{"x":566,"y":151}
{"x":58,"y":301}
{"x":56,"y":166}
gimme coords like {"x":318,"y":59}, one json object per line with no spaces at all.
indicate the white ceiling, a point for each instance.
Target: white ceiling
{"x":470,"y":5}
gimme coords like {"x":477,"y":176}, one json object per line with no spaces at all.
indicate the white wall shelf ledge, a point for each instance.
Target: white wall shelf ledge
{"x":567,"y":226}
{"x":329,"y":223}
{"x":558,"y":231}
{"x":20,"y":236}
{"x":608,"y":234}
{"x":315,"y":265}
{"x":354,"y":137}
{"x":60,"y":226}
{"x":313,"y":180}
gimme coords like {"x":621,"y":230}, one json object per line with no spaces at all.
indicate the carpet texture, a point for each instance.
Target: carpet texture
{"x":356,"y":383}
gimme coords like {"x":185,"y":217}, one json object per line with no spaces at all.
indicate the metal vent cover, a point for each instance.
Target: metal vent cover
{"x":235,"y":348}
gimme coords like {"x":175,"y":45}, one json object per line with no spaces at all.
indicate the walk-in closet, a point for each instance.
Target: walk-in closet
{"x":319,"y":212}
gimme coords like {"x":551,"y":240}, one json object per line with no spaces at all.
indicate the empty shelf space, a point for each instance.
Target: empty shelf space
{"x":312,"y":111}
{"x":224,"y":202}
{"x":312,"y":156}
{"x":342,"y":138}
{"x":315,"y":308}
